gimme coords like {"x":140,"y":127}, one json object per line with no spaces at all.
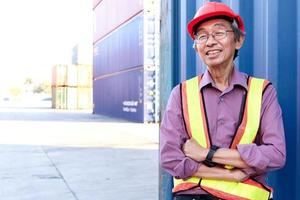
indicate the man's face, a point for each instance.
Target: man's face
{"x":215,"y":42}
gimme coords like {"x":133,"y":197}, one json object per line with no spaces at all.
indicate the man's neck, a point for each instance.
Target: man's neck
{"x":221,"y":76}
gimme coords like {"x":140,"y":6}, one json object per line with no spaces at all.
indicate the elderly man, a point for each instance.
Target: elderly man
{"x":222,"y":131}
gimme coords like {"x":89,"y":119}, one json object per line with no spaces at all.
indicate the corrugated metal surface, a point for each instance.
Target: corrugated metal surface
{"x":71,"y":98}
{"x":82,"y":53}
{"x":75,"y":55}
{"x":126,"y":42}
{"x":84,"y":75}
{"x":59,"y":96}
{"x":271,"y":50}
{"x":120,"y":95}
{"x":72,"y":75}
{"x":72,"y":87}
{"x":84,"y":98}
{"x":66,"y":97}
{"x":59,"y":75}
{"x":110,"y":14}
{"x":121,"y":50}
{"x":167,"y":82}
{"x":119,"y":73}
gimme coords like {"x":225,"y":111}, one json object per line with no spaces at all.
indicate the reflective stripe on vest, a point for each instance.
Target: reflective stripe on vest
{"x":245,"y":190}
{"x":194,"y":111}
{"x":247,"y":130}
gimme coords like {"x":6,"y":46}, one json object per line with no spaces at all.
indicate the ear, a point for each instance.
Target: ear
{"x":239,"y":43}
{"x":195,"y":47}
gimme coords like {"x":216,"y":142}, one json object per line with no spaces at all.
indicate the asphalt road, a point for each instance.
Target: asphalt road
{"x":49,"y":154}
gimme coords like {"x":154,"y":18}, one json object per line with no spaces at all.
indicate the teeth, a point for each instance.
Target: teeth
{"x":213,"y":52}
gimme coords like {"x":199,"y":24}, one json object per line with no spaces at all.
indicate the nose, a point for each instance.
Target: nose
{"x":210,"y":40}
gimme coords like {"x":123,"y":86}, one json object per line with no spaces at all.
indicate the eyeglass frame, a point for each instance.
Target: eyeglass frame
{"x":213,"y":36}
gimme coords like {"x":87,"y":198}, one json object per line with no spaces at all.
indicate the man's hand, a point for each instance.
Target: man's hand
{"x":224,"y":156}
{"x":239,"y":175}
{"x":192,"y":149}
{"x":220,"y":173}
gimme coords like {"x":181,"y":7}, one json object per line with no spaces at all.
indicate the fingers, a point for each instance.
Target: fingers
{"x":239,"y":175}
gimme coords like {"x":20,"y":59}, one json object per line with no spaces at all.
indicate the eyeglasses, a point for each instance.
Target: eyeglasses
{"x":202,"y":38}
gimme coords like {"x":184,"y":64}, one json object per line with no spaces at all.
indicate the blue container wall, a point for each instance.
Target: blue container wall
{"x":118,"y":86}
{"x":122,"y":49}
{"x":120,"y":95}
{"x":271,"y":50}
{"x":111,"y":14}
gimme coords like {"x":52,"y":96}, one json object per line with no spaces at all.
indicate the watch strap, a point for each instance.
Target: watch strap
{"x":208,"y":160}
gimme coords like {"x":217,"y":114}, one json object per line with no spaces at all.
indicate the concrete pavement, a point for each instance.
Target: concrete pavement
{"x":62,"y":155}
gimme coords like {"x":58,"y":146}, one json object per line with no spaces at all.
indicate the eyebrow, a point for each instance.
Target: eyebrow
{"x":220,"y":25}
{"x":215,"y":25}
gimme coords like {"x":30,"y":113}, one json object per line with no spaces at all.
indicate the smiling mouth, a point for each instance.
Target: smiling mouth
{"x":213,"y":52}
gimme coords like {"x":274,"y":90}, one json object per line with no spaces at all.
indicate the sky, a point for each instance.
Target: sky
{"x":37,"y":34}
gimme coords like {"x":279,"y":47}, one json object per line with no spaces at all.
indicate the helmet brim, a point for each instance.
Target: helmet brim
{"x":198,"y":20}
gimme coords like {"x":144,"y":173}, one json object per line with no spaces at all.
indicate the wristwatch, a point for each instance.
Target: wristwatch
{"x":208,"y":160}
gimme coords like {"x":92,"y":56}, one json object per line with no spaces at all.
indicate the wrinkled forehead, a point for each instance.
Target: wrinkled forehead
{"x":212,"y":24}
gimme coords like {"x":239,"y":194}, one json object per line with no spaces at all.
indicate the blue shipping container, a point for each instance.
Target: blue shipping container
{"x":110,"y":14}
{"x":120,"y":95}
{"x":123,"y":49}
{"x":271,"y":50}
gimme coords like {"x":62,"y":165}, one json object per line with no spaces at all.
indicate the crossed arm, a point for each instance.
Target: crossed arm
{"x":222,"y":156}
{"x":248,"y":159}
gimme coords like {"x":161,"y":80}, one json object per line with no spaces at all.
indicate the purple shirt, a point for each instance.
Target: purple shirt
{"x":223,"y":109}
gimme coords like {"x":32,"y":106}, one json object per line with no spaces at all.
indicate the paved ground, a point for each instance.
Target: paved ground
{"x":61,"y":155}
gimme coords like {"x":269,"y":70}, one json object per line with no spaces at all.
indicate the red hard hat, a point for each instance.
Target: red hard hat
{"x":214,"y":9}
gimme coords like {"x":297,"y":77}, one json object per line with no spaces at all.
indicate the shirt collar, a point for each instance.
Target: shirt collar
{"x":237,"y":78}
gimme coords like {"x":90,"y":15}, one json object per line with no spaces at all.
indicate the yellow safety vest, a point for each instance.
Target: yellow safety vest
{"x":194,"y":112}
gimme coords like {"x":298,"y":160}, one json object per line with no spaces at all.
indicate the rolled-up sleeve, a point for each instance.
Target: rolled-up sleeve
{"x":269,"y":150}
{"x":172,"y":137}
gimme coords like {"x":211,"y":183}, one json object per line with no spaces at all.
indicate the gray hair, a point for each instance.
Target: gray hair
{"x":237,"y":36}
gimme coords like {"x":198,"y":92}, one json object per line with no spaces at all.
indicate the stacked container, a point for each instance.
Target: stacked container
{"x":72,"y":87}
{"x":59,"y":83}
{"x":125,"y":66}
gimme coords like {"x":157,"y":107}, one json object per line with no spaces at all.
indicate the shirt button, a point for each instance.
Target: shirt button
{"x":221,"y":99}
